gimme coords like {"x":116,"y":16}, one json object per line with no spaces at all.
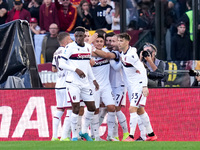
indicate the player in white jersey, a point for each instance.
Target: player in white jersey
{"x":88,"y":39}
{"x":116,"y":81}
{"x":76,"y":60}
{"x":136,"y":82}
{"x":101,"y":71}
{"x":61,"y":99}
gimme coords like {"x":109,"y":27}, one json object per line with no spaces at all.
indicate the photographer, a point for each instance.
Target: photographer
{"x":155,"y":67}
{"x":196,"y":74}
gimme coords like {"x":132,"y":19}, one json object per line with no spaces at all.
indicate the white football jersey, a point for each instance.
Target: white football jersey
{"x":101,"y":70}
{"x":77,"y":57}
{"x":116,"y":78}
{"x":60,"y":82}
{"x":133,"y":68}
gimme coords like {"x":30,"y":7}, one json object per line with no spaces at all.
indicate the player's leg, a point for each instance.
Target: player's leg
{"x":73,"y":93}
{"x":66,"y":132}
{"x":88,"y":99}
{"x":134,"y":98}
{"x":80,"y":116}
{"x":59,"y":112}
{"x":142,"y":131}
{"x":108,"y":100}
{"x":56,"y":120}
{"x":115,"y":130}
{"x":146,"y":121}
{"x":95,"y":121}
{"x":102,"y":113}
{"x":121,"y":101}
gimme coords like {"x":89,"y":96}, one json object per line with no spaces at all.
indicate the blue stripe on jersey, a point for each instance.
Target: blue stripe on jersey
{"x":64,"y":58}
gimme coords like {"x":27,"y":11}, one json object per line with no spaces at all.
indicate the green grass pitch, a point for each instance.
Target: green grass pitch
{"x":83,"y":145}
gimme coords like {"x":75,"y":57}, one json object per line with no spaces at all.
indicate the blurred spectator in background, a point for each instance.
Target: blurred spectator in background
{"x":111,"y":3}
{"x":146,"y":20}
{"x":93,"y":5}
{"x":34,"y":8}
{"x":18,"y":12}
{"x":114,"y":18}
{"x":84,"y":17}
{"x":35,"y":29}
{"x":76,"y":3}
{"x":25,"y":4}
{"x":49,"y":44}
{"x":67,"y":15}
{"x":3,"y":11}
{"x":48,"y":15}
{"x":180,"y":7}
{"x":132,"y":25}
{"x":188,"y":19}
{"x":181,"y":44}
{"x":101,"y":11}
{"x":132,"y":7}
{"x":169,"y":23}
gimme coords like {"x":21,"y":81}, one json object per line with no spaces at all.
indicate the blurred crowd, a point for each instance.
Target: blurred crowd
{"x":53,"y":16}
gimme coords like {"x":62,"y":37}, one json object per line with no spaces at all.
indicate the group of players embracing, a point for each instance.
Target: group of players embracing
{"x":95,"y":71}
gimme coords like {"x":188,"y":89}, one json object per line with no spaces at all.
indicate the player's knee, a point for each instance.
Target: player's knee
{"x":76,"y":109}
{"x":132,"y":109}
{"x":91,"y":108}
{"x":111,"y":108}
{"x":81,"y":111}
{"x":118,"y":108}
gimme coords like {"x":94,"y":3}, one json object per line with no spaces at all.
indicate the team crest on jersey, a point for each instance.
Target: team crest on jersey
{"x":74,"y":97}
{"x":88,"y":49}
{"x":132,"y":56}
{"x":78,"y":49}
{"x":124,"y":58}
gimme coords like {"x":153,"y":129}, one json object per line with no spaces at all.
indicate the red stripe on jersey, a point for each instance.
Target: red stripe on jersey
{"x":56,"y":117}
{"x":121,"y":100}
{"x":70,"y":97}
{"x":80,"y":56}
{"x":139,"y":100}
{"x":101,"y":62}
{"x":126,"y":64}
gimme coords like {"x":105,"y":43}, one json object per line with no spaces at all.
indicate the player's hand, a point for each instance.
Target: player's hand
{"x":145,"y":91}
{"x":92,"y":62}
{"x":80,"y":73}
{"x":93,"y":38}
{"x":96,"y":85}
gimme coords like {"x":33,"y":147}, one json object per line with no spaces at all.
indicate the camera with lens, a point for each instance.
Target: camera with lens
{"x":194,"y":73}
{"x":146,"y":53}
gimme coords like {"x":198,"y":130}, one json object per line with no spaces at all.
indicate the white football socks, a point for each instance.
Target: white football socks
{"x":133,"y":122}
{"x":74,"y":122}
{"x":146,"y":121}
{"x":111,"y":123}
{"x":142,"y":129}
{"x":88,"y":117}
{"x":122,"y":121}
{"x":67,"y":125}
{"x":56,"y":121}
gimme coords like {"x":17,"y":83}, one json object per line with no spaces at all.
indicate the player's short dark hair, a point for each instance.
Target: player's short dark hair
{"x":79,"y":28}
{"x":101,"y":33}
{"x":125,"y":36}
{"x":110,"y":34}
{"x":62,"y":35}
